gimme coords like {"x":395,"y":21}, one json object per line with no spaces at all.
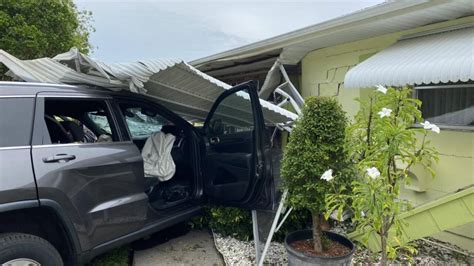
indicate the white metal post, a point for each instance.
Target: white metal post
{"x":256,"y":236}
{"x":272,"y":229}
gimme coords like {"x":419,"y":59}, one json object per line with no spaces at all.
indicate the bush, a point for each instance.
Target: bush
{"x":315,"y":154}
{"x":238,"y":223}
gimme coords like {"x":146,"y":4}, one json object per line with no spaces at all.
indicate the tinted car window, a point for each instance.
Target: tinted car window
{"x":223,"y":123}
{"x":16,"y":116}
{"x":77,"y":120}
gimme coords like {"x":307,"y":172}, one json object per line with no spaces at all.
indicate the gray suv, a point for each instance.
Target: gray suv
{"x":72,"y":182}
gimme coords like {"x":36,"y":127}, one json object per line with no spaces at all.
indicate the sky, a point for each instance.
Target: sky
{"x":130,"y":30}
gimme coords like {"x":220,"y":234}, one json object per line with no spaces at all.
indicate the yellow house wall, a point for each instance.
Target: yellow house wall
{"x":323,"y":73}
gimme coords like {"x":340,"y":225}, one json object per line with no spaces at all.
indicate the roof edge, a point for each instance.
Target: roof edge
{"x":280,"y":40}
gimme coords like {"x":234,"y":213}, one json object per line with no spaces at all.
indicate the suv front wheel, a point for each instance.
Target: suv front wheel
{"x":24,"y":249}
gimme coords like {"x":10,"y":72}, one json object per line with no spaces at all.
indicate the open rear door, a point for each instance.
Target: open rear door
{"x":237,"y":170}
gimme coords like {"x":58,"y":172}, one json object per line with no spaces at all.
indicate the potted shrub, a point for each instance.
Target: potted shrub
{"x":385,"y":144}
{"x":314,"y":155}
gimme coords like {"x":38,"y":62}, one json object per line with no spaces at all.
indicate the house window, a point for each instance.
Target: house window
{"x":450,"y":105}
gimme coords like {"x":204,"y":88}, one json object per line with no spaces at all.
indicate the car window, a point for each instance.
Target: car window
{"x":78,"y":121}
{"x":143,"y":121}
{"x":223,"y":122}
{"x":100,"y":121}
{"x":16,"y":115}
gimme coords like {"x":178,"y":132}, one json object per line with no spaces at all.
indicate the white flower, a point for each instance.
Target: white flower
{"x":327,"y":175}
{"x":428,"y":126}
{"x":381,"y":88}
{"x":435,"y":129}
{"x":373,"y":172}
{"x":385,"y":112}
{"x":362,"y":213}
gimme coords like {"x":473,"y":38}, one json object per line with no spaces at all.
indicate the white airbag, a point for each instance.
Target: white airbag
{"x":157,"y":156}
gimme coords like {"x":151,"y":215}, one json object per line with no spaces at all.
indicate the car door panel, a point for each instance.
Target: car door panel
{"x":16,"y":174}
{"x":96,"y":188}
{"x":100,"y":188}
{"x":236,"y":168}
{"x":235,"y":143}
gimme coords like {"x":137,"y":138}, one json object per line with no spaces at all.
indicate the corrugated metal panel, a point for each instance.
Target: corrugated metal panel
{"x":190,"y":91}
{"x":435,"y":58}
{"x":174,"y":83}
{"x":47,"y":70}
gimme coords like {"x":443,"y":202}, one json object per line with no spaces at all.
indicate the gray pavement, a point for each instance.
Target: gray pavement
{"x":194,"y":248}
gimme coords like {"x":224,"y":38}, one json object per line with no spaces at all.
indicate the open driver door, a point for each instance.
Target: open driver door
{"x":237,"y":167}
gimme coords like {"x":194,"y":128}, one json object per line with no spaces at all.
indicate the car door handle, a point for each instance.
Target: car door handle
{"x":59,"y":158}
{"x":214,"y":140}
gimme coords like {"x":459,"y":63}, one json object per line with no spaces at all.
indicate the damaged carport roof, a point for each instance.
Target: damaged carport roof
{"x":176,"y":84}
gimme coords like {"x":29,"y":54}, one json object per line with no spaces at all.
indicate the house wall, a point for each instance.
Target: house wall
{"x":323,"y":73}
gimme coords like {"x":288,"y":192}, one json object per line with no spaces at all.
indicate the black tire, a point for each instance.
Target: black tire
{"x":16,"y":245}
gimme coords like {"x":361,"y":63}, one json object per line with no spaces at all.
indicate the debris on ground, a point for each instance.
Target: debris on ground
{"x":238,"y":252}
{"x":431,"y":252}
{"x":428,"y":254}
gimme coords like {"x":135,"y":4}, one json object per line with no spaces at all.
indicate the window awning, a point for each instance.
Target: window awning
{"x":430,"y":59}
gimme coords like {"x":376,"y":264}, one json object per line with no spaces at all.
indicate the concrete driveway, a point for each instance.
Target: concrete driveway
{"x":194,"y":248}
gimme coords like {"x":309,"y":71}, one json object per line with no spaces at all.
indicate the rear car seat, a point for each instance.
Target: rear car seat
{"x":76,"y":131}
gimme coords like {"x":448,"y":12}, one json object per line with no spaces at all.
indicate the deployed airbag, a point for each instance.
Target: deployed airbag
{"x":157,"y":156}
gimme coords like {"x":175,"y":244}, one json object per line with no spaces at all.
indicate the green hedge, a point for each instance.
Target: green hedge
{"x":238,"y":223}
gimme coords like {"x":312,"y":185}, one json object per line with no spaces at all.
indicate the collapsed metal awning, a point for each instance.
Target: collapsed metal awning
{"x":437,"y":57}
{"x":176,"y":84}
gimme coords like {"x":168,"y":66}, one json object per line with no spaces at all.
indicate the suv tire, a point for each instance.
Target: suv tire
{"x":30,"y":248}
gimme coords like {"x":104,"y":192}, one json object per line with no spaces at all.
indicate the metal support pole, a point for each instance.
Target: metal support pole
{"x":290,"y":99}
{"x":294,"y":92}
{"x":272,"y":229}
{"x":256,"y":236}
{"x":284,"y":219}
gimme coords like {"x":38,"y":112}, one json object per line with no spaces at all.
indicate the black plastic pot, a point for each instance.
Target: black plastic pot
{"x":296,"y":258}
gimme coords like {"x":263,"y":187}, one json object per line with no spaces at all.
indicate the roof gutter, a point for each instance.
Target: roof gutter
{"x":386,"y":9}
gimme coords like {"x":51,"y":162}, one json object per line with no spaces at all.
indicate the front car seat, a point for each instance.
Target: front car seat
{"x":157,"y":159}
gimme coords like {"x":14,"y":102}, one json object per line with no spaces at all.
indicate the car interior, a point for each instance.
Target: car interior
{"x":143,"y":121}
{"x":79,"y":121}
{"x":229,"y":163}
